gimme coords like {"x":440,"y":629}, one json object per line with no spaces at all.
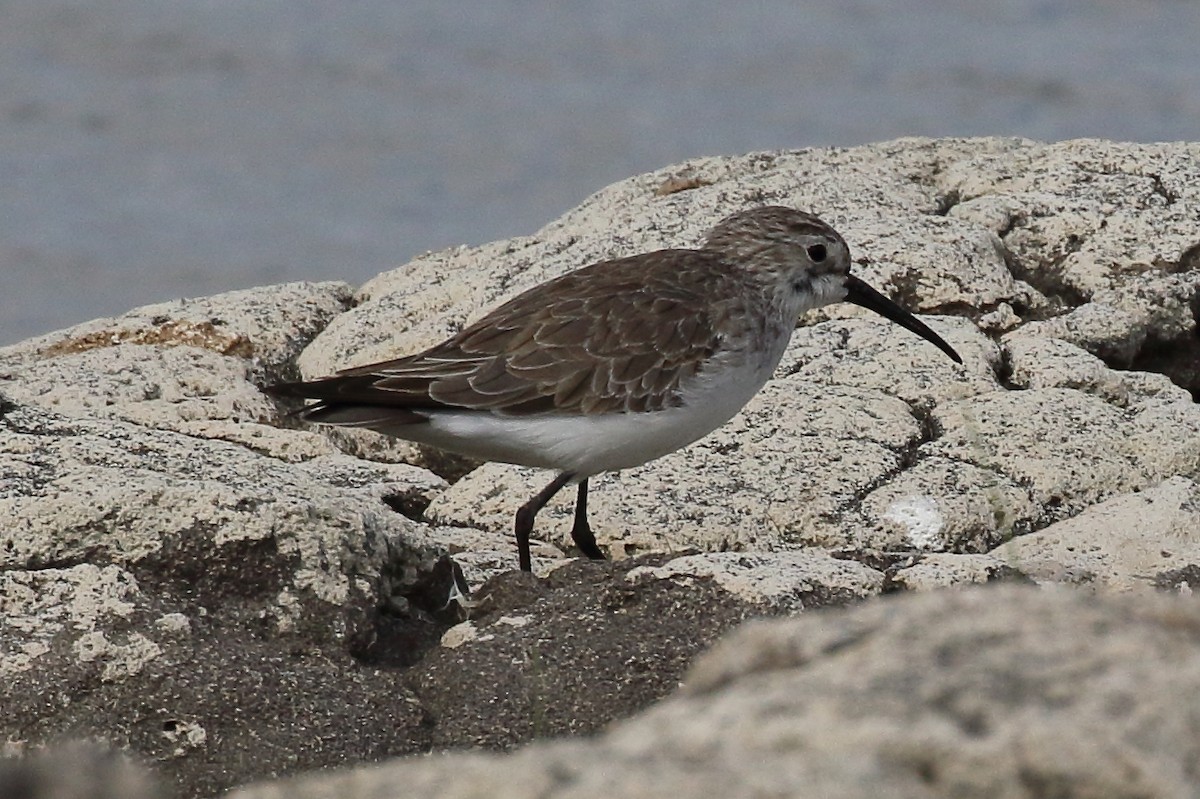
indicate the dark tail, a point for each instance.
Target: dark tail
{"x":334,"y":407}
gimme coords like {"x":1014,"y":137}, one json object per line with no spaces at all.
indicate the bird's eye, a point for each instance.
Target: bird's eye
{"x":817,"y":253}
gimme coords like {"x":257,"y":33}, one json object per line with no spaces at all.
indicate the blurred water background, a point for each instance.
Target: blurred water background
{"x":152,"y":149}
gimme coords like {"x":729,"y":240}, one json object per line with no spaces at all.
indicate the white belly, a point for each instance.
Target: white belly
{"x":588,"y":445}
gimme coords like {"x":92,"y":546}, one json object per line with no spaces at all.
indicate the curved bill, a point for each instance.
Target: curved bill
{"x":863,"y":295}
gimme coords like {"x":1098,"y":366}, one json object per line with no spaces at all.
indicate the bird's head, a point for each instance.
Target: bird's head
{"x":806,"y":263}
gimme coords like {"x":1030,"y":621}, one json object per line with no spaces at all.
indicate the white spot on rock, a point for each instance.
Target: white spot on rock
{"x":921,"y":519}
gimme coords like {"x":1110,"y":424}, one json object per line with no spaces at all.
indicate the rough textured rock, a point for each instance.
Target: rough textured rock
{"x":164,"y":592}
{"x":210,"y":699}
{"x":986,"y":692}
{"x":936,"y":570}
{"x":191,"y":365}
{"x":779,"y":581}
{"x":178,"y":553}
{"x":1139,"y":541}
{"x":270,"y":324}
{"x":1061,"y":233}
{"x":215,"y":516}
{"x":1067,"y":448}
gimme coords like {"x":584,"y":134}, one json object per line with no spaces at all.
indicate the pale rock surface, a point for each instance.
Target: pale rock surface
{"x":938,"y":570}
{"x":192,"y":366}
{"x":161,"y":587}
{"x":485,"y":553}
{"x":188,"y":389}
{"x":779,"y":581}
{"x":1132,"y":542}
{"x":164,"y":593}
{"x":1106,"y":228}
{"x":52,"y":618}
{"x":868,"y":352}
{"x":269,"y":324}
{"x":1068,"y":449}
{"x":407,"y":489}
{"x":943,"y":504}
{"x":78,"y":491}
{"x":1054,"y":363}
{"x":985,"y":692}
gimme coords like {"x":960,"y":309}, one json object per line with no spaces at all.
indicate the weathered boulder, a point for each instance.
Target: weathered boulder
{"x":187,"y":573}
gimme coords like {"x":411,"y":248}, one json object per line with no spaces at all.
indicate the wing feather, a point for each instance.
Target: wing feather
{"x":617,"y":336}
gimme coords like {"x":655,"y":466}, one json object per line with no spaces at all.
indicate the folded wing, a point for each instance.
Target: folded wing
{"x":608,"y":338}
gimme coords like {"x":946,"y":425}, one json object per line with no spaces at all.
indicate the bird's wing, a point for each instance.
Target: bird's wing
{"x":617,"y":336}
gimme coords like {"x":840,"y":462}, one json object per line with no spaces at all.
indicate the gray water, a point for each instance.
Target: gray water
{"x":152,"y":149}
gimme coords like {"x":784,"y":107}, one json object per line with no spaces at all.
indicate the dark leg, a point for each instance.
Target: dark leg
{"x":526,"y":514}
{"x":582,"y":531}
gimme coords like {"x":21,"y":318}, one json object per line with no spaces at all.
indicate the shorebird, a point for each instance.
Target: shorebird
{"x":614,"y":364}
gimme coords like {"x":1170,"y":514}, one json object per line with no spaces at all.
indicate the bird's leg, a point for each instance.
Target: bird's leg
{"x":526,"y":514}
{"x":581,"y":532}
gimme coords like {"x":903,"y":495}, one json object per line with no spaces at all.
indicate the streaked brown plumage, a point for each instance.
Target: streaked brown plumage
{"x":612,"y":337}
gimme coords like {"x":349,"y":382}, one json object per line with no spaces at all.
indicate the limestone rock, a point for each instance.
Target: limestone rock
{"x":270,"y":325}
{"x":940,"y":570}
{"x":775,"y":581}
{"x":192,"y":366}
{"x":1068,"y":449}
{"x":227,"y":521}
{"x":166,"y":593}
{"x":233,"y":597}
{"x":1137,"y":541}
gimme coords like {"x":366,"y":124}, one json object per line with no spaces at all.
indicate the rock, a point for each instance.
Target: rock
{"x":939,"y":570}
{"x":1067,"y":448}
{"x":187,"y":389}
{"x":991,"y":692}
{"x":270,"y":325}
{"x":164,"y":592}
{"x":192,"y":366}
{"x":774,"y":581}
{"x":484,"y":554}
{"x":218,"y":516}
{"x":91,"y":620}
{"x":943,"y":504}
{"x":1137,"y":541}
{"x":1053,"y":363}
{"x":187,"y":574}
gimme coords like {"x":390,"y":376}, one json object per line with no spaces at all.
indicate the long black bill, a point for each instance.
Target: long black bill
{"x":863,"y":295}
